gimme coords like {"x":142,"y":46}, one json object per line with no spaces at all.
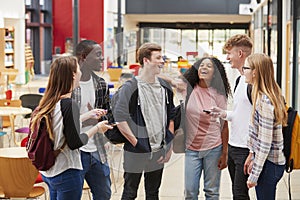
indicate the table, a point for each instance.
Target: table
{"x":17,"y":174}
{"x":12,"y":112}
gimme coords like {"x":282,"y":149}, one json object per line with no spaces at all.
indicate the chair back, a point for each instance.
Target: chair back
{"x":17,"y":174}
{"x":30,"y":101}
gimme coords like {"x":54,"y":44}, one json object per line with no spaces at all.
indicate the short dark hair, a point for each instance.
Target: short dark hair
{"x":84,"y":48}
{"x":145,"y":51}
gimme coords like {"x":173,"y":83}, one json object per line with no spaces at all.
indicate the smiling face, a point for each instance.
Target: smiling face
{"x":206,"y":71}
{"x":154,"y":64}
{"x":94,"y":60}
{"x":235,"y":57}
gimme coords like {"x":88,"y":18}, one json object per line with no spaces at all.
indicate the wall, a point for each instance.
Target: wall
{"x":13,"y":14}
{"x":90,"y":21}
{"x":183,"y":6}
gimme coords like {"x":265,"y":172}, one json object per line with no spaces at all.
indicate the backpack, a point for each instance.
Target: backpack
{"x":114,"y":135}
{"x":291,"y":136}
{"x":291,"y":144}
{"x":39,"y":146}
{"x":291,"y":141}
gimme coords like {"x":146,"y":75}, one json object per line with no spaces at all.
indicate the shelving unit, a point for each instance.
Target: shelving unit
{"x":9,"y":48}
{"x":7,"y":55}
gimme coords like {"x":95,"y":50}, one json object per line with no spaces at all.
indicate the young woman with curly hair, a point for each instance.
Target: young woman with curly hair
{"x":206,"y":135}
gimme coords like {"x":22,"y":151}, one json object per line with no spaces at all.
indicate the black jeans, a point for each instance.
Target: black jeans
{"x":137,"y":164}
{"x":236,"y":160}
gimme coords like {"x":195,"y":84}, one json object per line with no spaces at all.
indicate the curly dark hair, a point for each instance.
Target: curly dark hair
{"x":220,"y":80}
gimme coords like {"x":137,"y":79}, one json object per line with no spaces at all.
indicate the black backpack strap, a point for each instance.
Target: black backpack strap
{"x":249,"y":88}
{"x":249,"y":91}
{"x":236,"y":83}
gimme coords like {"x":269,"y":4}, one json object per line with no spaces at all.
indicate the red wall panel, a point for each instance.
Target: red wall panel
{"x":90,"y":21}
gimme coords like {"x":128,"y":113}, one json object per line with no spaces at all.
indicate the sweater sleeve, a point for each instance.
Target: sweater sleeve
{"x":121,"y":110}
{"x":264,"y":121}
{"x":70,"y":113}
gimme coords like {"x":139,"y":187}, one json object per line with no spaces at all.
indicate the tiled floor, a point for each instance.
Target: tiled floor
{"x":173,"y":177}
{"x":172,"y":187}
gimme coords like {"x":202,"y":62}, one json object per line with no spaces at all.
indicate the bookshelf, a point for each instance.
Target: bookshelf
{"x":7,"y":44}
{"x":9,"y":48}
{"x":7,"y":54}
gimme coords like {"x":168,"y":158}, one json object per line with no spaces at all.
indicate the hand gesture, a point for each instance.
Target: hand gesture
{"x":97,"y":113}
{"x":217,"y":112}
{"x":179,"y":84}
{"x":103,"y":126}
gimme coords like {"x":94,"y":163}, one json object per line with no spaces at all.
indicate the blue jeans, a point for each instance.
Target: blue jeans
{"x":236,"y":159}
{"x":65,"y":186}
{"x":195,"y":163}
{"x":267,"y":181}
{"x":96,"y":174}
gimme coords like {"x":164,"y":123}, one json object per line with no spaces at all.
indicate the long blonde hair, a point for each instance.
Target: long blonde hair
{"x":60,"y":82}
{"x":264,"y":83}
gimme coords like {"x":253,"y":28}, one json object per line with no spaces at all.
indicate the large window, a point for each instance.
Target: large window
{"x":177,"y":42}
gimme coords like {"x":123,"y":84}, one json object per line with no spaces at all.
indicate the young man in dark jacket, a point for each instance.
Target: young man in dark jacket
{"x":148,"y":127}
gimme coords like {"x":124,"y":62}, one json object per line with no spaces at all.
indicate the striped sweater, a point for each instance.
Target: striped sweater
{"x":265,"y":138}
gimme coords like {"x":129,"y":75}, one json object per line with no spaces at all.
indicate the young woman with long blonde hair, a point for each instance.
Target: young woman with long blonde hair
{"x":266,"y":161}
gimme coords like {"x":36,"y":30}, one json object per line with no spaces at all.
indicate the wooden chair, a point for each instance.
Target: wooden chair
{"x":29,"y":60}
{"x":6,"y":120}
{"x":17,"y":174}
{"x":39,"y":178}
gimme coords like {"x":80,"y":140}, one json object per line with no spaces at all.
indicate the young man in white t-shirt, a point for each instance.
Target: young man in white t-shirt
{"x":238,"y":48}
{"x":93,"y":93}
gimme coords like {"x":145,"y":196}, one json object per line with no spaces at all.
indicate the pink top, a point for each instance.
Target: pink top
{"x":203,"y":131}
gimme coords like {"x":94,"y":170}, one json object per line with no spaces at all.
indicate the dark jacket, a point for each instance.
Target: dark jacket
{"x":129,"y":96}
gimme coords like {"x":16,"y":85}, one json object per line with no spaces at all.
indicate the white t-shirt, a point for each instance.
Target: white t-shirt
{"x":87,"y":97}
{"x":240,"y":116}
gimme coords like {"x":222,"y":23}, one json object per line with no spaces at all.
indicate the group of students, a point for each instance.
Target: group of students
{"x":253,"y":153}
